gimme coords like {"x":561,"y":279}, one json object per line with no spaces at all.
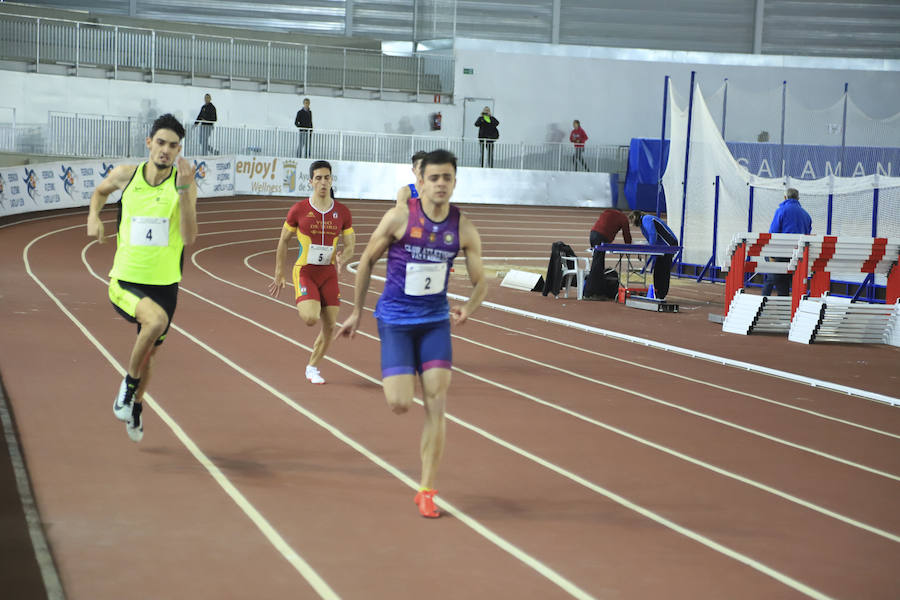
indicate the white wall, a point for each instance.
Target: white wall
{"x":538,"y":89}
{"x":34,"y":95}
{"x":616,"y":99}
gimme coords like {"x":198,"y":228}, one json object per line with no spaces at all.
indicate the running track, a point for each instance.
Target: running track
{"x":578,"y":464}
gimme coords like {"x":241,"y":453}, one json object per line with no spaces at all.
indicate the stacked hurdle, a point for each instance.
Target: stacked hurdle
{"x":809,"y":314}
{"x":747,"y":313}
{"x":820,"y":317}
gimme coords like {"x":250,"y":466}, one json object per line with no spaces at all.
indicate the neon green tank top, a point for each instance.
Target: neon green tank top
{"x":150,"y":246}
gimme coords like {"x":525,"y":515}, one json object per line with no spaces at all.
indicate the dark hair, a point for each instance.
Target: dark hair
{"x":792,"y":193}
{"x":319,"y":164}
{"x":636,"y":217}
{"x":438,"y":157}
{"x":167,"y":121}
{"x":418,"y":156}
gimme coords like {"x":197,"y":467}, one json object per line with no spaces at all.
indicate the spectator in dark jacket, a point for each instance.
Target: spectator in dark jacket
{"x":487,"y":134}
{"x":303,"y":121}
{"x":789,"y":217}
{"x":206,"y":118}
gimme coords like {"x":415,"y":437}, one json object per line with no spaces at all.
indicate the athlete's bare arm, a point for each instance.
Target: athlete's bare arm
{"x":117,"y":179}
{"x":390,"y":229}
{"x":348,"y":239}
{"x":470,"y":243}
{"x":280,"y":254}
{"x":187,"y":200}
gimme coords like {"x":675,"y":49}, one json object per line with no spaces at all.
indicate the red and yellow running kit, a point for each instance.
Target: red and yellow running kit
{"x":315,"y":276}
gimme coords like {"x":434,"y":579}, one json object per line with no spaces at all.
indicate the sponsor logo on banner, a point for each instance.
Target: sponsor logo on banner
{"x":260,"y":174}
{"x":289,"y":182}
{"x":224,"y":184}
{"x":105,"y":169}
{"x":13,"y":190}
{"x":31,"y":182}
{"x":68,"y":179}
{"x":200,"y":174}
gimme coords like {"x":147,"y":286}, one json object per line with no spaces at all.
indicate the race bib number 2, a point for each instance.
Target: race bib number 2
{"x":423,"y":279}
{"x":149,"y":231}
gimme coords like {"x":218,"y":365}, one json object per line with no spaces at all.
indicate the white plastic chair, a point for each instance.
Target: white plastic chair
{"x":574,"y":266}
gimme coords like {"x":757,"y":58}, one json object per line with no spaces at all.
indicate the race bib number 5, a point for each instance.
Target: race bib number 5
{"x":423,"y":279}
{"x":319,"y":255}
{"x":149,"y":231}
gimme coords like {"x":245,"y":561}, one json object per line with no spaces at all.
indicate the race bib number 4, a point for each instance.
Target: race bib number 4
{"x":149,"y":231}
{"x":423,"y":279}
{"x":319,"y":255}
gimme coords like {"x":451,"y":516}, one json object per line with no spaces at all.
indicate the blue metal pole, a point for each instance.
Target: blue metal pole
{"x":844,"y":126}
{"x":830,"y":210}
{"x":783,"y":104}
{"x":750,"y":211}
{"x":715,"y":221}
{"x":662,"y":142}
{"x":687,"y":153}
{"x":875,"y":212}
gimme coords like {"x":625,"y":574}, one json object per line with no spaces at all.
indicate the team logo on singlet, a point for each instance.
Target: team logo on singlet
{"x":303,"y":291}
{"x":431,"y":237}
{"x":448,"y":238}
{"x":334,"y":215}
{"x":415,"y":232}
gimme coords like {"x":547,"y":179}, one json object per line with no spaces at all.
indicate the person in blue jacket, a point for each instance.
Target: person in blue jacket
{"x":789,"y":217}
{"x":657,"y":233}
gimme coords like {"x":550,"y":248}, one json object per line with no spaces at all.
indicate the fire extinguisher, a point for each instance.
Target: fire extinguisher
{"x":436,"y":121}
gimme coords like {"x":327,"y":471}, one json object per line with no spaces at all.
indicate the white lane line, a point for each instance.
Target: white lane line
{"x":697,"y":537}
{"x":659,"y":447}
{"x":44,"y":557}
{"x":691,"y":379}
{"x":654,"y":399}
{"x":300,"y":565}
{"x":809,"y":381}
{"x":476,"y":526}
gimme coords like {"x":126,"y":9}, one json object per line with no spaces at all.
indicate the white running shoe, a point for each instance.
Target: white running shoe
{"x":121,"y":406}
{"x":313,"y":375}
{"x":134,"y":426}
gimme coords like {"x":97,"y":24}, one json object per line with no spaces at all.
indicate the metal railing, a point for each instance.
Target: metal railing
{"x":81,"y":45}
{"x":81,"y":135}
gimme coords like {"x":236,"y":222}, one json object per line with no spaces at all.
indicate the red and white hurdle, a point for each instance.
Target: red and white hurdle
{"x":809,"y":314}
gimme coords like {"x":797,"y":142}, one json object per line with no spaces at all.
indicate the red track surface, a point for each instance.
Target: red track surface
{"x":576,"y":464}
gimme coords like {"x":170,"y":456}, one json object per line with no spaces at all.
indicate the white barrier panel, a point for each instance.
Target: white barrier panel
{"x":266,"y":175}
{"x":53,"y":185}
{"x":70,"y":184}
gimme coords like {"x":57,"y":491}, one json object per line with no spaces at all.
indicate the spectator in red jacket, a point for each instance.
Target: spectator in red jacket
{"x":578,"y":137}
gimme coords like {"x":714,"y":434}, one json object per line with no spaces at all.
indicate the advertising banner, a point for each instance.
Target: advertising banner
{"x":54,"y":185}
{"x":274,"y":176}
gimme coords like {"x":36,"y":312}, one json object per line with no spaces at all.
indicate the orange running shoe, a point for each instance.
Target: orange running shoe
{"x":425,"y":501}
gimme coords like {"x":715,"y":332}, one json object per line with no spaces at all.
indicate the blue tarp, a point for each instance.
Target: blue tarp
{"x":642,"y":177}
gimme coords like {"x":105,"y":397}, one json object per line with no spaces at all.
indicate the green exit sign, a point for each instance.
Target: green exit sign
{"x":468,"y":71}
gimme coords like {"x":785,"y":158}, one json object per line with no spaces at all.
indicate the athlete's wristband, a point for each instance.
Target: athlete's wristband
{"x":182,"y":187}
